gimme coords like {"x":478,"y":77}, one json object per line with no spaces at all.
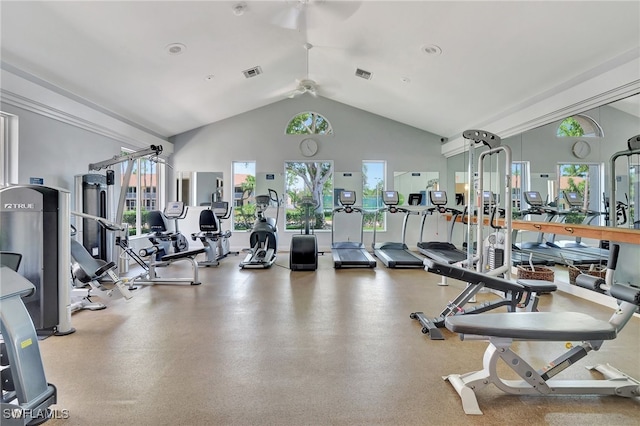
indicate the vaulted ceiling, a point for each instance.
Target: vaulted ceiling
{"x":439,"y":66}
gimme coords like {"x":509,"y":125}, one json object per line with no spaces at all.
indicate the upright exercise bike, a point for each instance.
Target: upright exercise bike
{"x":264,"y":234}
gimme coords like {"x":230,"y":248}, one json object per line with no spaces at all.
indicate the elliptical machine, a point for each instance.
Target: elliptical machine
{"x":264,"y":234}
{"x":303,"y":255}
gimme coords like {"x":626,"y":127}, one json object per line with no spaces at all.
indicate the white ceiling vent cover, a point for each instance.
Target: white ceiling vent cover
{"x":252,"y":72}
{"x":363,"y":74}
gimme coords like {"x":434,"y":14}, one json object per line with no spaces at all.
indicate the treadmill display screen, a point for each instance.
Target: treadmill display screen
{"x":390,"y":198}
{"x":347,"y":198}
{"x":438,"y":198}
{"x":573,"y":198}
{"x":533,"y":198}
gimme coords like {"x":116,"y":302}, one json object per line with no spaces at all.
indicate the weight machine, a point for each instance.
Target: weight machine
{"x":633,"y":145}
{"x":151,"y":152}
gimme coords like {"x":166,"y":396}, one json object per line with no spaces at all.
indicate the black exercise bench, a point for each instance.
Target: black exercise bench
{"x":513,"y":294}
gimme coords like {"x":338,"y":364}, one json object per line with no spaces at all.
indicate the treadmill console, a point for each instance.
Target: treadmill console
{"x":533,"y":198}
{"x":573,"y":198}
{"x":347,"y":198}
{"x":438,"y":198}
{"x":390,"y":198}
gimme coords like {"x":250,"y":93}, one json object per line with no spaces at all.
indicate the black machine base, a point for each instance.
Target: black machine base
{"x":428,"y":326}
{"x":304,"y":253}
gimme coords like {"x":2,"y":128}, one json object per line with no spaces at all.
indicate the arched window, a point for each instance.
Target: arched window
{"x":309,"y":123}
{"x":579,"y":126}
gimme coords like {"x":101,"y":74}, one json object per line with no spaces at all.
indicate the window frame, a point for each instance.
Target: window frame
{"x":313,"y":130}
{"x":381,"y":184}
{"x":290,"y":207}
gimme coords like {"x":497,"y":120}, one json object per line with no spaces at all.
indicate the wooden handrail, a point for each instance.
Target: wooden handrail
{"x":620,"y":235}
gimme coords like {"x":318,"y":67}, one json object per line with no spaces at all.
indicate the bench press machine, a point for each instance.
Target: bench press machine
{"x":476,"y":281}
{"x":503,"y":329}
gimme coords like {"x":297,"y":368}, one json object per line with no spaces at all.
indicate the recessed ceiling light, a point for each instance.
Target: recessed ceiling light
{"x":209,"y":77}
{"x":175,"y":48}
{"x":431,"y":49}
{"x":405,"y":80}
{"x":239,"y":9}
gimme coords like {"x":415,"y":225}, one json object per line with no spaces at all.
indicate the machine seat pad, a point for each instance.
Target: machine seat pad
{"x":538,"y":286}
{"x":548,"y":326}
{"x":182,"y":255}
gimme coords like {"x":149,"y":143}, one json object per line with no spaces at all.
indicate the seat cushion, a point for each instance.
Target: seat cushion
{"x":538,"y":286}
{"x":549,"y":326}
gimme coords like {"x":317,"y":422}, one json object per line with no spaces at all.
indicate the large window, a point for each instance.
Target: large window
{"x":142,"y":195}
{"x":373,"y":183}
{"x":8,"y":148}
{"x":586,"y":180}
{"x":244,"y":185}
{"x":308,"y":179}
{"x":519,"y":184}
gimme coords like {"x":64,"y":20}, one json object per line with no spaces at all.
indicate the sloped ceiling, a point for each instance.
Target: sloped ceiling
{"x":495,"y":56}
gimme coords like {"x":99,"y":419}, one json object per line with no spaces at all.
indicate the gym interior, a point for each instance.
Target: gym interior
{"x":320,"y":212}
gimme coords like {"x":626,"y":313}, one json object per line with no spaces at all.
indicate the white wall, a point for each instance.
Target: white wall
{"x":259,"y":136}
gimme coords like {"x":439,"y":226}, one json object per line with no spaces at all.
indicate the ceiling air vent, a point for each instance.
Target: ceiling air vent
{"x":252,"y":72}
{"x":363,"y":74}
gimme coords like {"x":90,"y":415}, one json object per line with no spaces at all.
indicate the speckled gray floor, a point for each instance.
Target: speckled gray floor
{"x":275,"y":347}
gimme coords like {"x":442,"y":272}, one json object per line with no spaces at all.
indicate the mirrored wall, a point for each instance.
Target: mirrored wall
{"x":199,"y":188}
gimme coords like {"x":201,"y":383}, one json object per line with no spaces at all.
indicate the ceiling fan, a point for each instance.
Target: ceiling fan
{"x":298,"y":14}
{"x":306,"y":85}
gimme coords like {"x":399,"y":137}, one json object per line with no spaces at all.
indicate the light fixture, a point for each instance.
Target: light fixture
{"x":239,"y":9}
{"x":405,"y":80}
{"x":175,"y":48}
{"x":431,"y":49}
{"x":209,"y":77}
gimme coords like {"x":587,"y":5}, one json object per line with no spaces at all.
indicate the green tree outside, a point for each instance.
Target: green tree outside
{"x":570,"y":127}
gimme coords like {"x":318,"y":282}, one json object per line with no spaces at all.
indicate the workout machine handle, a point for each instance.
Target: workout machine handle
{"x":110,"y":226}
{"x":493,"y":222}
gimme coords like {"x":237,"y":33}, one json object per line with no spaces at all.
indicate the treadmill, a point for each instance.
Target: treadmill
{"x":441,"y":251}
{"x":393,"y":254}
{"x":549,"y":250}
{"x":576,"y":204}
{"x":350,"y":254}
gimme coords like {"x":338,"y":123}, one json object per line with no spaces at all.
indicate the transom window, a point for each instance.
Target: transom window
{"x":579,"y":126}
{"x":309,"y":123}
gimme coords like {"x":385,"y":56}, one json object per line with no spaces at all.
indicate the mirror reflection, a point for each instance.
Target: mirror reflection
{"x":199,"y":188}
{"x":573,"y":155}
{"x":415,"y":182}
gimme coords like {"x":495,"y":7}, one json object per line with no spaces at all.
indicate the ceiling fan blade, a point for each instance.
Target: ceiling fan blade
{"x":295,"y":93}
{"x":323,"y":12}
{"x":291,"y":17}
